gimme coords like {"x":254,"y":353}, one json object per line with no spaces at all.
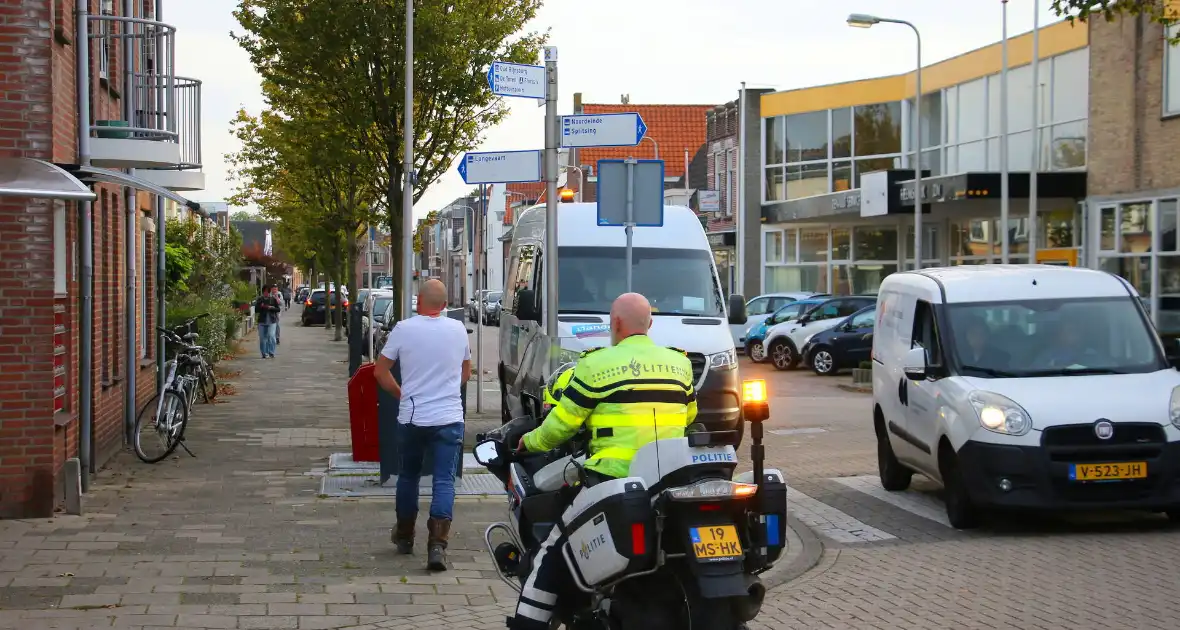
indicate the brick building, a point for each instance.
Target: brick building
{"x":1133,"y":182}
{"x":106,"y":160}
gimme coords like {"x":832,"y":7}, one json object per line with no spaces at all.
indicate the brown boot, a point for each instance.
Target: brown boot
{"x":439,"y":529}
{"x":402,"y":535}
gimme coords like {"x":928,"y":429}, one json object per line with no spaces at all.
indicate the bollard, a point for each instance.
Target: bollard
{"x":356,"y":342}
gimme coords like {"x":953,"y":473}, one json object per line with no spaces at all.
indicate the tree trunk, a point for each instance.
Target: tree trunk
{"x":393,"y":201}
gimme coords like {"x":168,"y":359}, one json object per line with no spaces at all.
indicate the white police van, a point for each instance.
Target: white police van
{"x":672,"y":266}
{"x":1024,"y":386}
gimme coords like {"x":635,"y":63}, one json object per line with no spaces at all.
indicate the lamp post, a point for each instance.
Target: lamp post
{"x":657,"y":145}
{"x":861,"y":20}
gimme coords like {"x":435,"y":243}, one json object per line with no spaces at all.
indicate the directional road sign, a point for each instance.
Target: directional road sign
{"x":500,"y":167}
{"x":514,"y":79}
{"x":602,"y":130}
{"x":646,"y":198}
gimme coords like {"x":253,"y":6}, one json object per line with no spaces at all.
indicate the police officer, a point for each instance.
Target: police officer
{"x":627,"y":395}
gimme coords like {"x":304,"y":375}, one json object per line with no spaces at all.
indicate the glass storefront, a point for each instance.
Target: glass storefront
{"x":1137,"y":240}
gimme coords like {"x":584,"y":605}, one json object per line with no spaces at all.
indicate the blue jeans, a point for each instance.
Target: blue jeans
{"x":266,"y":339}
{"x":445,"y":444}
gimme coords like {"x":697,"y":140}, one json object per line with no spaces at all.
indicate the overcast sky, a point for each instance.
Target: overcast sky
{"x":657,"y":51}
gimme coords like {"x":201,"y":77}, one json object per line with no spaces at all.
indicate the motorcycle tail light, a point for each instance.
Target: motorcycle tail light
{"x":638,"y":539}
{"x":710,"y":507}
{"x":712,"y":490}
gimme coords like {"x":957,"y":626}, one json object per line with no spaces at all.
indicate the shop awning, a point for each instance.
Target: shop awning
{"x":94,"y":174}
{"x":36,"y":179}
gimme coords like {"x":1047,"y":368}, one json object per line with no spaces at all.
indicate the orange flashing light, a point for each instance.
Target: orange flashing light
{"x":567,"y":195}
{"x":754,"y":391}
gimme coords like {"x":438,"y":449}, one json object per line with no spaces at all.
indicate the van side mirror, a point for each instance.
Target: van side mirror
{"x":737,"y":309}
{"x":526,"y":306}
{"x":915,"y":364}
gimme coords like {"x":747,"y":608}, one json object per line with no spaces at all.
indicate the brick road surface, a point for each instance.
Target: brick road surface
{"x":238,"y":538}
{"x":1023,"y":573}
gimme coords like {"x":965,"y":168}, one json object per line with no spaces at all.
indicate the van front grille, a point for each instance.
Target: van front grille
{"x":698,"y":366}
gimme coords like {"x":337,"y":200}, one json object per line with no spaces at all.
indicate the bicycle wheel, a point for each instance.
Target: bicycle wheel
{"x":159,"y":427}
{"x":208,"y":383}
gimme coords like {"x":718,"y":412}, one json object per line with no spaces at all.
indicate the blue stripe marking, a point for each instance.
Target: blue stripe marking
{"x":695,"y":535}
{"x":772,"y":537}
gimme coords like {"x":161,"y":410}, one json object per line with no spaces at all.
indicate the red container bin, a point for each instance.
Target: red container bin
{"x":362,"y":414}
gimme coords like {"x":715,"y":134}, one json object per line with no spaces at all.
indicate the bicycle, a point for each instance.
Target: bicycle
{"x":174,"y":404}
{"x":203,"y":368}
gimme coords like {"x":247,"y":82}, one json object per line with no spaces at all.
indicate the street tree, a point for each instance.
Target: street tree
{"x":1162,"y":11}
{"x":348,"y":57}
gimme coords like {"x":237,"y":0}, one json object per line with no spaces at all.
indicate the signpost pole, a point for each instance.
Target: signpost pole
{"x":479,"y":297}
{"x":372,"y":286}
{"x":629,"y":225}
{"x":552,"y":140}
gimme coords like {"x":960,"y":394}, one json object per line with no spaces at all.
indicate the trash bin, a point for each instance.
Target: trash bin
{"x":362,"y":415}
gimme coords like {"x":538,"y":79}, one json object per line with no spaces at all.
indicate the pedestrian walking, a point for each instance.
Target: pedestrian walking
{"x":267,"y":316}
{"x":287,"y":297}
{"x":434,"y":359}
{"x":278,"y":296}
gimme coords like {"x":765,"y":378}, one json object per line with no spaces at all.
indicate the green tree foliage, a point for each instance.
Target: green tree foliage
{"x":345,"y":60}
{"x":1161,"y":11}
{"x":200,"y":264}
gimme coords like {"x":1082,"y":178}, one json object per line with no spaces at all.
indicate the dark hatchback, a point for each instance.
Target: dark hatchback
{"x":315,"y":308}
{"x":844,"y":346}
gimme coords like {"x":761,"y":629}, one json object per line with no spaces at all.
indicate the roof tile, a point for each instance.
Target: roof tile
{"x":676,"y":128}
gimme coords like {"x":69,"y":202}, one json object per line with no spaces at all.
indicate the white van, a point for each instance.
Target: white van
{"x":1024,"y":386}
{"x":672,"y":266}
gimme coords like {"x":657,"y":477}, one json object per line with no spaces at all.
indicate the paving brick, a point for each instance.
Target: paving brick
{"x":297,"y":609}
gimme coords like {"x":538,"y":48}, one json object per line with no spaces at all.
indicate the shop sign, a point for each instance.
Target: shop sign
{"x":928,"y":192}
{"x":722,"y":239}
{"x":709,"y":200}
{"x":851,"y":200}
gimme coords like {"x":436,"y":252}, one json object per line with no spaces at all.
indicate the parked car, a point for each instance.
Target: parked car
{"x":784,"y":340}
{"x":755,"y":348}
{"x":301,"y":293}
{"x":373,"y":314}
{"x":473,"y":304}
{"x":844,"y":346}
{"x":491,"y":308}
{"x":316,"y":307}
{"x":763,"y":306}
{"x":387,"y":324}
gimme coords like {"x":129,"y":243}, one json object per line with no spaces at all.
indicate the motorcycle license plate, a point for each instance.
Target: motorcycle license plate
{"x":717,"y":542}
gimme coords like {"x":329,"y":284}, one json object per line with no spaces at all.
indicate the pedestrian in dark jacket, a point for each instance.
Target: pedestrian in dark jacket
{"x":266,"y":308}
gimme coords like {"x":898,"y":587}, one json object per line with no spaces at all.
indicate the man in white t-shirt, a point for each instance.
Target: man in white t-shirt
{"x":434,"y":359}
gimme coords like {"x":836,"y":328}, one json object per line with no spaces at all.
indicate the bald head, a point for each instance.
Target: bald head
{"x":629,"y":315}
{"x":432,"y":296}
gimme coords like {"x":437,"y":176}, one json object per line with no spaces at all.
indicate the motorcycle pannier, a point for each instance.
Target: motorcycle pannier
{"x":770,"y":508}
{"x":611,"y":528}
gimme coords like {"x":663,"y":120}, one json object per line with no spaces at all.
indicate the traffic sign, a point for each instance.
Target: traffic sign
{"x":514,"y":79}
{"x":501,"y":167}
{"x":602,"y":130}
{"x":646,"y":196}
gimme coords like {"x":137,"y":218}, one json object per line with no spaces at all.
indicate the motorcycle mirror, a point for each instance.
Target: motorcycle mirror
{"x":487,"y":453}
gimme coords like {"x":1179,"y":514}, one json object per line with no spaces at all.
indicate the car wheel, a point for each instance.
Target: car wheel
{"x":1173,"y":515}
{"x":895,"y":477}
{"x":961,"y":511}
{"x":756,"y":351}
{"x":782,"y":354}
{"x":823,"y":362}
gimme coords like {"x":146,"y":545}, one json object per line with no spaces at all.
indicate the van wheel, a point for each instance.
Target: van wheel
{"x":756,"y":351}
{"x":895,"y":477}
{"x":961,"y":511}
{"x":822,"y":361}
{"x":782,"y":354}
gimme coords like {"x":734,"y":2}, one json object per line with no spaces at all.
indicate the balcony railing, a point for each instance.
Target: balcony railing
{"x":155,"y":103}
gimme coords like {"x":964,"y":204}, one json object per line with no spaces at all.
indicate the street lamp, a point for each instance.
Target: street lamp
{"x":861,"y":20}
{"x":653,"y":141}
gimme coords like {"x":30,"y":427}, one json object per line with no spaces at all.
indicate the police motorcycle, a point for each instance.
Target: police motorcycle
{"x":678,"y":544}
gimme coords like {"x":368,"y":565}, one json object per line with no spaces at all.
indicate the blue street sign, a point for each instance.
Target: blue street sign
{"x":500,"y":167}
{"x":602,"y":130}
{"x":647,"y":193}
{"x":519,"y":80}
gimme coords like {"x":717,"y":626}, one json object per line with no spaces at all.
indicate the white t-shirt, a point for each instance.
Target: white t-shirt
{"x":430,"y":352}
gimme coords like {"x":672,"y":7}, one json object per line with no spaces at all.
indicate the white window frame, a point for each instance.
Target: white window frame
{"x":1169,"y":50}
{"x":60,"y":269}
{"x":731,"y":160}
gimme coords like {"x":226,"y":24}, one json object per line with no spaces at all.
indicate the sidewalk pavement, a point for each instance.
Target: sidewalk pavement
{"x":237,"y":537}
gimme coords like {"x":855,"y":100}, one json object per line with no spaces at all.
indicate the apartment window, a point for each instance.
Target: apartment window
{"x":59,"y":248}
{"x":731,"y":186}
{"x":1171,"y":72}
{"x":720,"y":184}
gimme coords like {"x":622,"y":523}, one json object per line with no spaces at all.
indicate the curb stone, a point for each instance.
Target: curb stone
{"x":811,"y":549}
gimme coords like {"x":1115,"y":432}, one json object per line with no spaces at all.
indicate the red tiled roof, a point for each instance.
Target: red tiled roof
{"x":676,"y":128}
{"x":531,"y":190}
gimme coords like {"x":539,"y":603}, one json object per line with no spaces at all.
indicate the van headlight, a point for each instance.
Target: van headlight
{"x":1001,"y":414}
{"x":1174,"y":407}
{"x":723,"y":360}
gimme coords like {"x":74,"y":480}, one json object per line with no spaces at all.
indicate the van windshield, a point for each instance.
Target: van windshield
{"x":675,"y":281}
{"x":1053,"y":338}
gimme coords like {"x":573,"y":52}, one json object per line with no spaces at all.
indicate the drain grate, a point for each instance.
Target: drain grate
{"x":365,"y":485}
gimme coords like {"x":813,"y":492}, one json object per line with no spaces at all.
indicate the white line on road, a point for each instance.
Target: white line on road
{"x":828,"y":521}
{"x":911,"y":501}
